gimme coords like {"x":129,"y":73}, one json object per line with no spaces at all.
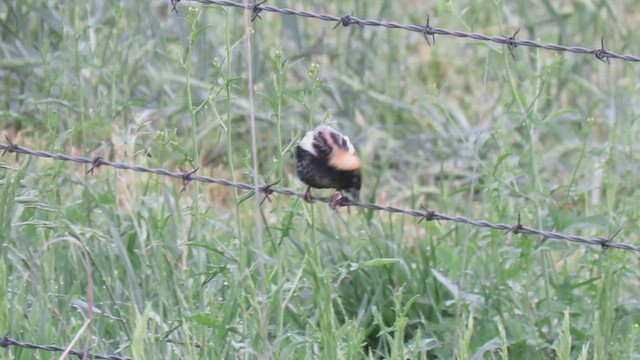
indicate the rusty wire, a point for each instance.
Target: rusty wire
{"x":6,"y":342}
{"x":268,"y":189}
{"x":427,"y":30}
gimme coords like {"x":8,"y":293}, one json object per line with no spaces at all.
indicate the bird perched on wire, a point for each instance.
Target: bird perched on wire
{"x":326,"y":158}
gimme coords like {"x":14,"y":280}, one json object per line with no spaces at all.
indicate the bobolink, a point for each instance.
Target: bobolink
{"x":326,"y":158}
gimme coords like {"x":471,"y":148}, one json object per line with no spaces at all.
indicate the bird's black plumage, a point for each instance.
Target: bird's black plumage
{"x":316,"y":172}
{"x":318,"y":161}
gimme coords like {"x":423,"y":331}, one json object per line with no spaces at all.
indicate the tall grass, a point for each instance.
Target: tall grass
{"x":460,"y":127}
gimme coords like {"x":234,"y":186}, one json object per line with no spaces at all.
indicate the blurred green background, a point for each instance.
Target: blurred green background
{"x":460,"y":127}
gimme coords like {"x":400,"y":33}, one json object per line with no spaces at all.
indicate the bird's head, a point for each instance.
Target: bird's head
{"x":335,"y":149}
{"x":343,"y":157}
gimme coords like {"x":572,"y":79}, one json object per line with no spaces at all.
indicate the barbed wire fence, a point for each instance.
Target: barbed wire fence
{"x":6,"y":342}
{"x":269,"y":189}
{"x":429,"y":32}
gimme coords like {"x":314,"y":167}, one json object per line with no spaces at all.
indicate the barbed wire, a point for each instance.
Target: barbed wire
{"x":268,"y":189}
{"x":426,"y":30}
{"x":6,"y":342}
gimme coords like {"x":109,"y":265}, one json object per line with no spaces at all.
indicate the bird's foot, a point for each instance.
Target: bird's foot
{"x":336,"y":199}
{"x":307,"y":195}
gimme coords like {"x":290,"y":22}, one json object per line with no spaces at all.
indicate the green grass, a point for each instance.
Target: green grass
{"x":460,"y":127}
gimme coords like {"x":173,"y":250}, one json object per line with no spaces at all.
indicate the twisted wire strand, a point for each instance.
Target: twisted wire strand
{"x":425,"y":214}
{"x":428,"y":31}
{"x":510,"y":41}
{"x":6,"y":342}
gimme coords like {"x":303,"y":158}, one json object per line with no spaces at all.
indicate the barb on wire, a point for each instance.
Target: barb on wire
{"x":428,"y":31}
{"x":6,"y":342}
{"x":186,"y":178}
{"x":9,"y":148}
{"x":512,"y":43}
{"x":267,"y":190}
{"x":600,"y":54}
{"x":515,"y":229}
{"x":347,"y":20}
{"x":429,"y":215}
{"x":605,"y":242}
{"x":257,"y":9}
{"x":174,"y":3}
{"x":95,"y":163}
{"x":424,"y":214}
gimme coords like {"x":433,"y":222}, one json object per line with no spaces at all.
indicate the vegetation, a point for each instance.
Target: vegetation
{"x":460,"y":127}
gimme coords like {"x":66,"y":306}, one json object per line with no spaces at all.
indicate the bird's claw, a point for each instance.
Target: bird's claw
{"x":307,"y":196}
{"x":335,"y":200}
